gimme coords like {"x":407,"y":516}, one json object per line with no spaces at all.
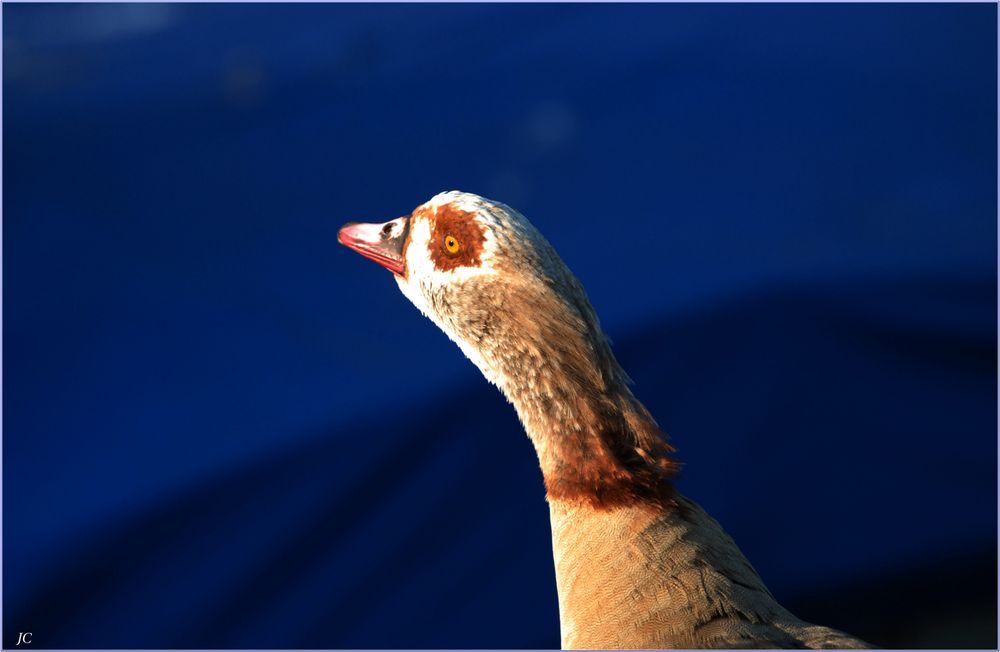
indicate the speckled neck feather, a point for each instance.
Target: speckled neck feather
{"x":595,"y":441}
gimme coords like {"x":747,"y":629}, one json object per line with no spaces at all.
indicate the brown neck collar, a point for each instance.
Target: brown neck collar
{"x":596,"y":443}
{"x":611,"y":455}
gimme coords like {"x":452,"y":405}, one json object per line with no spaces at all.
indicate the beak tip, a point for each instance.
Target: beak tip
{"x":340,"y":231}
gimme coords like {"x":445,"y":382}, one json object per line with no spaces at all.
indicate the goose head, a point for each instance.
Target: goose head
{"x":486,"y":276}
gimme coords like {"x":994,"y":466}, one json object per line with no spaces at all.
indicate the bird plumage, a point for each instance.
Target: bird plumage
{"x":637,"y":564}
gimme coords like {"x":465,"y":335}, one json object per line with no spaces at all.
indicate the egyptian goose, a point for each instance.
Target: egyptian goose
{"x":637,"y":564}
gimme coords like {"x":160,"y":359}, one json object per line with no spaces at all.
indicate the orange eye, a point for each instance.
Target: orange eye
{"x":451,"y":244}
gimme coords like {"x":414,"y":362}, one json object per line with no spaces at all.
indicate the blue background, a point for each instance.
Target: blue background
{"x":220,"y":428}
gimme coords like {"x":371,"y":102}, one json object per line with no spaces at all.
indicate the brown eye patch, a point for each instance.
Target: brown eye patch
{"x":463,"y":228}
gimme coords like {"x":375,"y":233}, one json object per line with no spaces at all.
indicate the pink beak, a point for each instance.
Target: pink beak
{"x":382,"y":243}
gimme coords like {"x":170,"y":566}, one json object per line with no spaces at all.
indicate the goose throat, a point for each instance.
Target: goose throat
{"x":596,"y":443}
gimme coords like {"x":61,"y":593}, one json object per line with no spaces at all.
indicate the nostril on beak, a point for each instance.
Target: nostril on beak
{"x":387,"y":230}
